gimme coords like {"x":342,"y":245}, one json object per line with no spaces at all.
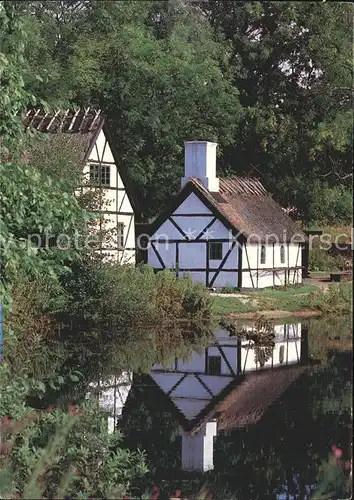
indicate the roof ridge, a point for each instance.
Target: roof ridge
{"x":69,"y":120}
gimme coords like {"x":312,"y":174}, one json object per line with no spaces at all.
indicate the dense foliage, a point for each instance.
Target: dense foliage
{"x":69,"y":319}
{"x":271,"y":82}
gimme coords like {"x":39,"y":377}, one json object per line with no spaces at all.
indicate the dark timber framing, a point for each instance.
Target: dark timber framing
{"x":257,"y":274}
{"x":177,"y":260}
{"x":117,"y":213}
{"x":220,"y":268}
{"x":207,"y":269}
{"x":177,"y":383}
{"x":158,"y":255}
{"x":178,"y":228}
{"x":297,"y":259}
{"x":206,"y":228}
{"x":224,"y":357}
{"x":273,"y":266}
{"x":209,"y":412}
{"x":249,"y":266}
{"x":239,"y":280}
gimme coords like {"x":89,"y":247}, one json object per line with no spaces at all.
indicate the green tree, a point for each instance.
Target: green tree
{"x":156,"y":71}
{"x":295,"y":81}
{"x":30,"y":203}
{"x":271,"y":82}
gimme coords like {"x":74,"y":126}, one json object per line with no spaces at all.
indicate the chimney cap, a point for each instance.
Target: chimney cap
{"x":200,"y":142}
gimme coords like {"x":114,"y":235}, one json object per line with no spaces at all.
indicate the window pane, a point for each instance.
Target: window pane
{"x":105,"y":175}
{"x":282,"y":254}
{"x":214,"y":365}
{"x":94,"y":174}
{"x":263,"y":254}
{"x":100,"y":174}
{"x":215,"y":250}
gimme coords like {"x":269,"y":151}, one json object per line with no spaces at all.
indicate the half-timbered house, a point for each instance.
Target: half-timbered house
{"x":112,"y":395}
{"x":224,"y":231}
{"x":229,"y":385}
{"x":87,"y":130}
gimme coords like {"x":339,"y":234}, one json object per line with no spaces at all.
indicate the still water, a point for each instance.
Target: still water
{"x":245,"y":422}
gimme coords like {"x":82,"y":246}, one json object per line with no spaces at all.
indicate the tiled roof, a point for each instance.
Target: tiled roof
{"x":249,"y":209}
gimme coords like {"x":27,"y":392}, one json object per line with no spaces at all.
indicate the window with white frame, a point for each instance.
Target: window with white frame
{"x":100,"y":174}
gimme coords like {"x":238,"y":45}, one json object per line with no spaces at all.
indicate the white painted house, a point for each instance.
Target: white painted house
{"x":224,"y":232}
{"x":229,"y":385}
{"x":103,"y":173}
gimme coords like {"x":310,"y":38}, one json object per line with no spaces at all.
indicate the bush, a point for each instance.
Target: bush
{"x":118,"y":300}
{"x":228,"y":289}
{"x":336,"y":300}
{"x":56,"y":453}
{"x":322,"y":260}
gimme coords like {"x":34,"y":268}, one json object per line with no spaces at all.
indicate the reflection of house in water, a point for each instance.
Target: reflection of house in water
{"x":229,"y":385}
{"x":112,"y":395}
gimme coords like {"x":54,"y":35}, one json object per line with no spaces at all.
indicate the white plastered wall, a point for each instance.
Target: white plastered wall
{"x":116,"y":206}
{"x":189,"y":256}
{"x":260,"y":275}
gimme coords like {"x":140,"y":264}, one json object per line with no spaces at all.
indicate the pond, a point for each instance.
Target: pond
{"x":245,"y":422}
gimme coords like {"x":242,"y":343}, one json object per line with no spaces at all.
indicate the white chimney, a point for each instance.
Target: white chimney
{"x":198,"y":450}
{"x":200,"y":162}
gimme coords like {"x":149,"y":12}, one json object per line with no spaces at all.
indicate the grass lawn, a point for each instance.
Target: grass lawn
{"x":284,"y":293}
{"x":291,"y":299}
{"x":226,"y":305}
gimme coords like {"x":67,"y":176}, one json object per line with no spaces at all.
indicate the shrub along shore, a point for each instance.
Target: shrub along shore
{"x":306,"y":301}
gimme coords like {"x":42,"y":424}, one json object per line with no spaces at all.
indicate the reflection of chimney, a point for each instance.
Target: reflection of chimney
{"x":200,"y":162}
{"x":198,"y":450}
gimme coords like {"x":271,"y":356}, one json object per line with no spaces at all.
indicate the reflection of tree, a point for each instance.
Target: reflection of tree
{"x":288,"y":446}
{"x":326,"y":330}
{"x":261,"y":337}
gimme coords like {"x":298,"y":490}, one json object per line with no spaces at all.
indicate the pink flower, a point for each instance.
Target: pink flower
{"x":155,"y":492}
{"x":178,"y":493}
{"x":347,"y":465}
{"x":337,"y":452}
{"x":5,"y":419}
{"x":74,"y":410}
